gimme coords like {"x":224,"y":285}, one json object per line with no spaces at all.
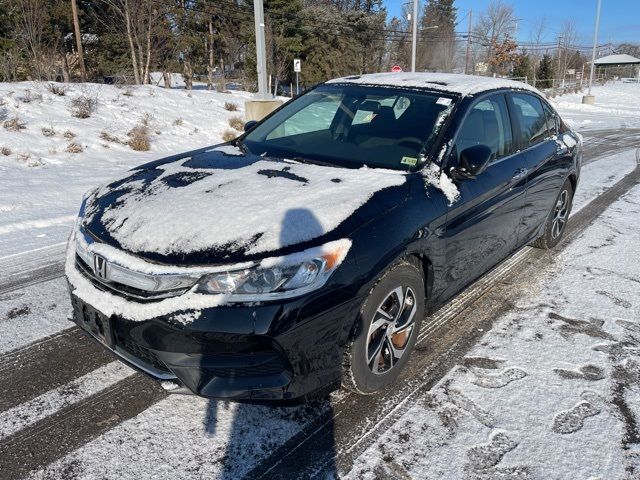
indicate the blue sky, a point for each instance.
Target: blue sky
{"x":620,"y":19}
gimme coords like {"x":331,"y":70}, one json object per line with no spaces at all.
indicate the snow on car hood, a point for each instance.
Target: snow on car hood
{"x":221,"y":199}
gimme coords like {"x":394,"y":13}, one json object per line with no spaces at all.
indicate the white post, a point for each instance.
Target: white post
{"x":595,"y":44}
{"x":297,"y":84}
{"x":466,"y":56}
{"x":261,"y":63}
{"x":415,"y":35}
{"x":262,"y":102}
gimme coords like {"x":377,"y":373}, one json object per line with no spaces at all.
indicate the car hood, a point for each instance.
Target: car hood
{"x":220,"y":205}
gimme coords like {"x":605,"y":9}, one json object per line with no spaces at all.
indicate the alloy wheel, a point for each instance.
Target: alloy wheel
{"x":391,"y":329}
{"x":560,"y":214}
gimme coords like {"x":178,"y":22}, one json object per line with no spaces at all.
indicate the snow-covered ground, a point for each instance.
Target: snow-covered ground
{"x":41,"y":184}
{"x":617,"y":105}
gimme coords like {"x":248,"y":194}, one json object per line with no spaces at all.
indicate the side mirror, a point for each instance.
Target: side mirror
{"x":473,"y":161}
{"x":249,"y":125}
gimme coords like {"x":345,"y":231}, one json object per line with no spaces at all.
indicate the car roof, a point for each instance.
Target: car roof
{"x":452,"y":83}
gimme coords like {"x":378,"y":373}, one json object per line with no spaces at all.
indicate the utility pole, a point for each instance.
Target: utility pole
{"x":261,"y":52}
{"x":590,"y":99}
{"x":415,"y":35}
{"x":559,"y":63}
{"x":466,"y":61}
{"x":76,"y":29}
{"x":263,"y":102}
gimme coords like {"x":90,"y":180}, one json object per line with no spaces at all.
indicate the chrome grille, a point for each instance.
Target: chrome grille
{"x":112,"y":277}
{"x":122,"y":289}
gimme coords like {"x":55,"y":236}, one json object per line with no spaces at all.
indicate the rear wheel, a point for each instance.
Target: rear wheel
{"x":386,"y":331}
{"x":557,"y":219}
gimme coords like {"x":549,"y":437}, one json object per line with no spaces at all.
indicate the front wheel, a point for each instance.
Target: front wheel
{"x":387,"y":329}
{"x":557,"y":219}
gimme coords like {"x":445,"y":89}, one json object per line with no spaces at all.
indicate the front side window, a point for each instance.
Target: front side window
{"x":533,"y":120}
{"x":487,"y":123}
{"x":553,"y":122}
{"x":353,"y":125}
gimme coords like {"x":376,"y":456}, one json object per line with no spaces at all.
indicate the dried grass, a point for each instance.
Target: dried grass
{"x":230,"y":107}
{"x":236,"y":123}
{"x":14,"y":124}
{"x":29,"y":97}
{"x":74,"y":147}
{"x":83,"y":106}
{"x":229,"y":135}
{"x":48,"y":131}
{"x":59,"y":90}
{"x":104,"y":135}
{"x":139,"y":138}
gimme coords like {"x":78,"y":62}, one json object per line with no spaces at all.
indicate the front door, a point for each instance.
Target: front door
{"x":482,"y":225}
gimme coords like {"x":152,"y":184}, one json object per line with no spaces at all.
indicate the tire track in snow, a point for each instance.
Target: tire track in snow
{"x":36,"y":409}
{"x":52,"y":437}
{"x":48,"y":364}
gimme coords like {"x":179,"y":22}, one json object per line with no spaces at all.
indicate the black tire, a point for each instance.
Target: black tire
{"x":380,"y":306}
{"x":553,"y":232}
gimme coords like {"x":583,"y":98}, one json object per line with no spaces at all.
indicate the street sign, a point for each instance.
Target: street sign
{"x":297,"y":65}
{"x":396,"y":69}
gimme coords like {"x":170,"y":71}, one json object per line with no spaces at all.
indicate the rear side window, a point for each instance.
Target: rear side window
{"x":533,"y":119}
{"x":486,"y":124}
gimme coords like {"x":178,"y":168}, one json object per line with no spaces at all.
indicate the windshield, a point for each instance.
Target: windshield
{"x":353,"y":126}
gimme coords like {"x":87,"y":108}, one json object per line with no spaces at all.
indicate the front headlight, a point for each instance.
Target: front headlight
{"x":277,"y":278}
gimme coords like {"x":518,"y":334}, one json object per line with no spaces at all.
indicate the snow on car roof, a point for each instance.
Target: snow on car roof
{"x":464,"y":85}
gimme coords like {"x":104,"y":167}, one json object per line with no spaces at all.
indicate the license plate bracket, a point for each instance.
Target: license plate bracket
{"x":97,"y":324}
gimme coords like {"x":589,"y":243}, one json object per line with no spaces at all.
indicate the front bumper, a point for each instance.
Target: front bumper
{"x":273,"y":352}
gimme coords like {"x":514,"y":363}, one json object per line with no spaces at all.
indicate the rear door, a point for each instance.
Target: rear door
{"x":538,"y":127}
{"x":482,"y":226}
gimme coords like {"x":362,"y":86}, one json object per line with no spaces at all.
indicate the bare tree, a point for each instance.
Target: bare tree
{"x":32,"y":18}
{"x":136,"y":19}
{"x":569,"y":37}
{"x":538,"y":34}
{"x":494,"y":24}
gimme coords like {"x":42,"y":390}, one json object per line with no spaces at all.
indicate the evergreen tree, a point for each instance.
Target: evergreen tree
{"x":522,"y":66}
{"x":545,"y":72}
{"x":437,"y":45}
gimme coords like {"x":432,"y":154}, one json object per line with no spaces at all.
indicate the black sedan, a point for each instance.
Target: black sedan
{"x":306,"y":253}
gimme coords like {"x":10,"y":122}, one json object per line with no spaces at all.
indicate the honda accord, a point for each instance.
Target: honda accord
{"x":305,"y":254}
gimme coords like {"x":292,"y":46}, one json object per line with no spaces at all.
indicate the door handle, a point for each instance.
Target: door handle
{"x":520,"y":173}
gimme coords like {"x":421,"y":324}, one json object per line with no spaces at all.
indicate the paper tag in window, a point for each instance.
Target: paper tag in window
{"x":444,"y":101}
{"x":411,"y":161}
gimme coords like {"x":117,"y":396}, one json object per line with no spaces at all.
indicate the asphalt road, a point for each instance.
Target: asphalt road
{"x":336,"y":435}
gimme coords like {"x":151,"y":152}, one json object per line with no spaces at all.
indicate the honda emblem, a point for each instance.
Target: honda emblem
{"x":100,"y":267}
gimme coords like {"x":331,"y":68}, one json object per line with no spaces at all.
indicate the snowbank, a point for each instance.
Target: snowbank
{"x":617,"y":106}
{"x":41,"y":184}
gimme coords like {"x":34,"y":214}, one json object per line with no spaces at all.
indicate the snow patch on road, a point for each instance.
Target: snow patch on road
{"x":28,"y":413}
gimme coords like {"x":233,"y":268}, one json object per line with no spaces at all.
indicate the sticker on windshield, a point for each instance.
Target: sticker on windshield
{"x":444,"y":101}
{"x":411,"y":161}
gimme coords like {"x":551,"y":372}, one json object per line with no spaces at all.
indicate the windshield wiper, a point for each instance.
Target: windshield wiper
{"x":313,"y":161}
{"x":240,"y":144}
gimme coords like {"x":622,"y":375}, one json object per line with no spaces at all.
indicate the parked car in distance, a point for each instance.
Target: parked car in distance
{"x":307,"y":253}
